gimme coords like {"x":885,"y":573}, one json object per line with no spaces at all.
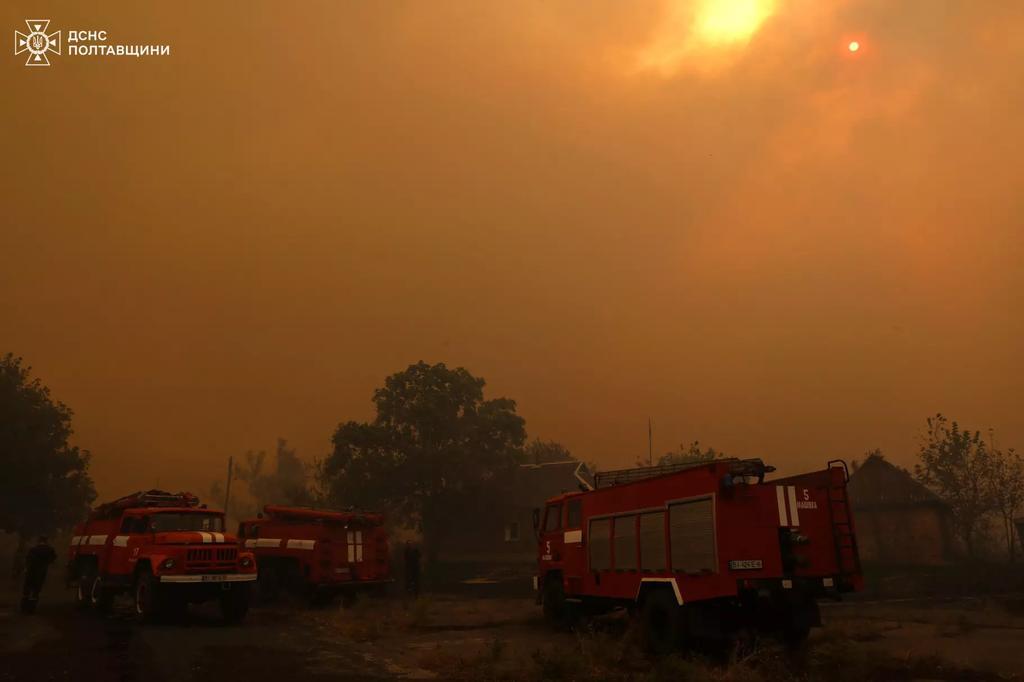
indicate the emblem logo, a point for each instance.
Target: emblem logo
{"x":37,"y":42}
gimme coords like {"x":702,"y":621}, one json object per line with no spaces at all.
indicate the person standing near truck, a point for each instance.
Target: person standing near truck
{"x":412,"y":569}
{"x":37,"y":563}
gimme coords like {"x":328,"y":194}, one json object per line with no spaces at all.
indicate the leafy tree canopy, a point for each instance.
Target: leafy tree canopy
{"x":46,"y":484}
{"x":432,"y":452}
{"x":958,"y":466}
{"x":539,"y":451}
{"x":690,"y":454}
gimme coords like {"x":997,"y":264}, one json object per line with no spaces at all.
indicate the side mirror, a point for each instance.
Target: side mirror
{"x":536,"y":520}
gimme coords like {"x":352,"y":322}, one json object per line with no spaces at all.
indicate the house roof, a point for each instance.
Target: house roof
{"x":538,"y":482}
{"x":876,"y":482}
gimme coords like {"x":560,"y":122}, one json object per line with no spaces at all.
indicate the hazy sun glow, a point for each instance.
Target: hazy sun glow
{"x":729,"y":21}
{"x":699,"y":33}
{"x":854,"y":46}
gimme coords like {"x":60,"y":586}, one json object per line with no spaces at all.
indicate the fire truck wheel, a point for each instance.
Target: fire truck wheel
{"x":234,"y":603}
{"x":269,"y":583}
{"x":555,"y":611}
{"x":349,"y":599}
{"x":659,"y":618}
{"x":82,"y":596}
{"x":147,"y":598}
{"x":100,"y":597}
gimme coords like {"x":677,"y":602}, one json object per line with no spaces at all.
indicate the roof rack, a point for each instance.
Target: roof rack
{"x":739,"y":467}
{"x":149,"y":498}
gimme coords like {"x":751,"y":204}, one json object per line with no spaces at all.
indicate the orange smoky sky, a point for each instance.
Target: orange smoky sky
{"x":611,"y":211}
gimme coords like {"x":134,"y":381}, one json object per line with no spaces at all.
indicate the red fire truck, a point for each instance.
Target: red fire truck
{"x":166,"y":550}
{"x":319,"y":553}
{"x":705,"y":550}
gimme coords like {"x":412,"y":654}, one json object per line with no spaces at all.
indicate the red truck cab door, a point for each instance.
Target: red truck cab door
{"x":574,"y":559}
{"x":551,"y":539}
{"x":123,"y":550}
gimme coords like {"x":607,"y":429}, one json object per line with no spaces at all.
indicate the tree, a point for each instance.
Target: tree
{"x":287,"y":483}
{"x":1006,"y":488}
{"x":46,"y":484}
{"x":539,"y":451}
{"x":958,"y":466}
{"x":690,"y":454}
{"x":433,"y":452}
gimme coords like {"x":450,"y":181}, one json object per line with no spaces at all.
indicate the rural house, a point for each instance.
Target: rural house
{"x":502,"y":533}
{"x":898,"y":520}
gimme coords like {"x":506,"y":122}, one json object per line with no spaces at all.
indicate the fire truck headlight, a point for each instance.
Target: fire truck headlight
{"x":167,"y":563}
{"x":246,"y":562}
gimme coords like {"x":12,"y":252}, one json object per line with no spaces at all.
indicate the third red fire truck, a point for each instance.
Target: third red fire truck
{"x":704,"y":550}
{"x":319,"y":553}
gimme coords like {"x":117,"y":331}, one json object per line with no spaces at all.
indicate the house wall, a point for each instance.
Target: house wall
{"x":489,"y":536}
{"x":918,"y":534}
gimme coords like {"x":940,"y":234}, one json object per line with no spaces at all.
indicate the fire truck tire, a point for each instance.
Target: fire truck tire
{"x":269,"y":582}
{"x":660,"y":622}
{"x":234,"y":603}
{"x":349,"y":599}
{"x":100,"y":598}
{"x":147,"y":597}
{"x":556,"y":612}
{"x":85,"y":581}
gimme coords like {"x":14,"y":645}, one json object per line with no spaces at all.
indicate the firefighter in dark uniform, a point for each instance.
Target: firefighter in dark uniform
{"x":37,"y":562}
{"x":412,"y":569}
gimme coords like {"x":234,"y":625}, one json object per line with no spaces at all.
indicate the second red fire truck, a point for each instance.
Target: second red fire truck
{"x":705,"y":550}
{"x":317,"y":553}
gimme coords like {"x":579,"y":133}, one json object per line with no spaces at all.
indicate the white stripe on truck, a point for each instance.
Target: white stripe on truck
{"x":780,"y":496}
{"x":301,"y":544}
{"x":263,"y":542}
{"x":794,"y":515}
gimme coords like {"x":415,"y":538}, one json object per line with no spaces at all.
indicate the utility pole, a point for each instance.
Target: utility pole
{"x":227,"y":488}
{"x":650,"y":443}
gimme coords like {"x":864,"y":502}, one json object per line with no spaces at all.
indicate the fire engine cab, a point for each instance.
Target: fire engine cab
{"x":700,"y":550}
{"x":166,"y":550}
{"x":318,"y":553}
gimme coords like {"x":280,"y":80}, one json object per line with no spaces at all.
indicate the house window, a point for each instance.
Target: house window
{"x":355,"y":546}
{"x":512,"y":531}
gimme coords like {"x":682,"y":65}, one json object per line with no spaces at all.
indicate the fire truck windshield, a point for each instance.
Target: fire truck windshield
{"x":170,"y":521}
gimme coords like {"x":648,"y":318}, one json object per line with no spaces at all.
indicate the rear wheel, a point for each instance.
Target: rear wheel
{"x":86,"y":579}
{"x":100,"y":597}
{"x":147,"y":597}
{"x":269,"y":582}
{"x":659,"y":617}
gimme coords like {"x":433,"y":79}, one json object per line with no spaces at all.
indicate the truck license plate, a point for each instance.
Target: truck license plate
{"x":746,"y":564}
{"x":213,"y":578}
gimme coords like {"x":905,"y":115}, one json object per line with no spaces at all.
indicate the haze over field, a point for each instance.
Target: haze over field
{"x":711,"y":213}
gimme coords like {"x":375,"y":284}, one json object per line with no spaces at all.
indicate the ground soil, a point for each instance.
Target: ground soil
{"x":466,"y":637}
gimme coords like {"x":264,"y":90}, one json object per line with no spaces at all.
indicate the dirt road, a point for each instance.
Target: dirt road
{"x":471,"y":639}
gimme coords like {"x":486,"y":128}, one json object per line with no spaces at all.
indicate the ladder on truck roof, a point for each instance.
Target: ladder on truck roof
{"x":738,"y":467}
{"x":847,"y":555}
{"x":149,"y":498}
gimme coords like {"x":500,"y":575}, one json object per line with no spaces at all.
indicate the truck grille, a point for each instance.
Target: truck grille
{"x":210,"y":558}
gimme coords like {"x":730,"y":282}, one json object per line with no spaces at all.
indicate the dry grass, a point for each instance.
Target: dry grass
{"x":462,"y":640}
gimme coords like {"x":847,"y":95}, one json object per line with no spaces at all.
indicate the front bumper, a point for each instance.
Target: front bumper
{"x":208,"y":578}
